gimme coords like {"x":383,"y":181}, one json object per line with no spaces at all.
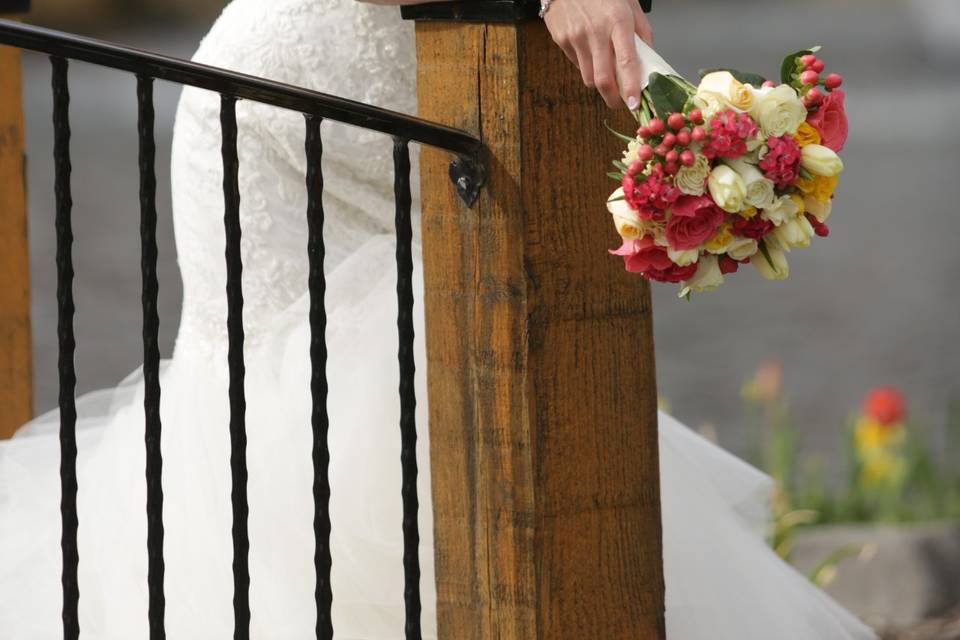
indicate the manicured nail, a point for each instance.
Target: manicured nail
{"x":632,"y":103}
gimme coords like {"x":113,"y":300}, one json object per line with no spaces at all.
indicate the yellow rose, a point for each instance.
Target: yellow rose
{"x":683,"y":257}
{"x":707,"y":277}
{"x":747,"y":212}
{"x":819,"y":210}
{"x":742,"y":248}
{"x":793,"y":233}
{"x":807,"y":134}
{"x":820,"y":160}
{"x":718,"y":243}
{"x":801,"y":205}
{"x":627,"y":221}
{"x":729,"y":91}
{"x":727,"y":188}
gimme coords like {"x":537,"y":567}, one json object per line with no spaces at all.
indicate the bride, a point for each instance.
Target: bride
{"x":722,"y":580}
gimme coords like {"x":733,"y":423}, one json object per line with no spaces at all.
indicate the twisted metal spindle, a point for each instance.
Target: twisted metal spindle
{"x":238,"y":402}
{"x":151,"y":355}
{"x":320,"y":421}
{"x":408,"y":400}
{"x":67,"y":347}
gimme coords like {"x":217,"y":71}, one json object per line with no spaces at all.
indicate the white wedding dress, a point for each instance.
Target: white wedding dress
{"x":723,"y":582}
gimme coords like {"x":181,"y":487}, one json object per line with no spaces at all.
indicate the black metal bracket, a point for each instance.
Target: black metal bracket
{"x":482,"y":10}
{"x":14,"y":6}
{"x":468,"y":176}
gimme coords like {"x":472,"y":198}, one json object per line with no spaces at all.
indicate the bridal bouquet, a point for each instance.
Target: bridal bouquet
{"x":736,"y":170}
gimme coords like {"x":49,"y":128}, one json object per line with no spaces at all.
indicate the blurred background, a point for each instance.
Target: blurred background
{"x":875,"y":304}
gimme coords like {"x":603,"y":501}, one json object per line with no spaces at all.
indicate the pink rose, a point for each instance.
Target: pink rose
{"x":693,"y":220}
{"x":831,"y":120}
{"x":643,"y":256}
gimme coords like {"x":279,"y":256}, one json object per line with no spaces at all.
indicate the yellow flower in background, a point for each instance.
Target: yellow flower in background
{"x":880,"y":438}
{"x":765,"y":384}
{"x":883,"y":469}
{"x":807,"y":134}
{"x":871,"y":435}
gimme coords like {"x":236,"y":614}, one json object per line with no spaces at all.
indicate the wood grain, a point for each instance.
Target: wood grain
{"x":16,"y":393}
{"x":540,"y":356}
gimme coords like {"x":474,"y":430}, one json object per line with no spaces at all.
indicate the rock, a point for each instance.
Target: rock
{"x":907,"y":574}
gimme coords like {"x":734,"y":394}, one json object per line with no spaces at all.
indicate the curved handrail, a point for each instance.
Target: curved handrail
{"x":239,"y":85}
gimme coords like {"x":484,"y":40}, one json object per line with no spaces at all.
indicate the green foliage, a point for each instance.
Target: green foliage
{"x":790,"y":69}
{"x":669,"y":94}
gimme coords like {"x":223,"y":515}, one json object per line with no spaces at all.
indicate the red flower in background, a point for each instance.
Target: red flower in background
{"x":886,"y":405}
{"x":781,"y":163}
{"x":831,"y":120}
{"x":729,"y":132}
{"x":651,"y":261}
{"x":652,"y":196}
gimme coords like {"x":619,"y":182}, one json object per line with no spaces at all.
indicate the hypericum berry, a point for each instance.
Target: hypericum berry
{"x":676,"y":121}
{"x":814,"y":96}
{"x":645,"y":153}
{"x":833,"y":81}
{"x":809,"y":77}
{"x":671,"y":168}
{"x":644,"y":132}
{"x":769,"y":84}
{"x":635,"y":167}
{"x":672,"y":157}
{"x":661,"y":150}
{"x":808,"y":60}
{"x":696,"y":116}
{"x":698,"y":133}
{"x":688,"y":158}
{"x":669,"y":140}
{"x":819,"y":228}
{"x":656,"y":126}
{"x":818,"y":65}
{"x":683,"y":137}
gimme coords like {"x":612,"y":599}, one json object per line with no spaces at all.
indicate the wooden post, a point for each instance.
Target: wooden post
{"x":543,"y":420}
{"x":16,"y":392}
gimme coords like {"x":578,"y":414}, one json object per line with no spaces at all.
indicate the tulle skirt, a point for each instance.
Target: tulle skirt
{"x":723,"y":582}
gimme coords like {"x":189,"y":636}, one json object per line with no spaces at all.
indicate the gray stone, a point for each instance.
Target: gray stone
{"x":906,"y":574}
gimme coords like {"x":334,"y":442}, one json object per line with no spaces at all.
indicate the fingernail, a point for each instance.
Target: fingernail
{"x":632,"y":103}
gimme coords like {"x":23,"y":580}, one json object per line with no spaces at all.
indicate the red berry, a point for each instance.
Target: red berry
{"x":769,"y":84}
{"x":661,"y":150}
{"x":671,"y":168}
{"x":819,"y":228}
{"x":688,"y":158}
{"x":728,"y":264}
{"x":643,"y":132}
{"x":833,"y":81}
{"x":676,"y":121}
{"x":656,"y":126}
{"x":635,"y":167}
{"x":808,"y":60}
{"x":698,"y":133}
{"x":683,"y":137}
{"x":645,"y":153}
{"x":696,"y":116}
{"x":814,"y":96}
{"x":672,"y":157}
{"x":669,"y":140}
{"x":809,"y":77}
{"x":818,"y":65}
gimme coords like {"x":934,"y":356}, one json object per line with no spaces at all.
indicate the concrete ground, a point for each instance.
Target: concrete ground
{"x":875,"y":303}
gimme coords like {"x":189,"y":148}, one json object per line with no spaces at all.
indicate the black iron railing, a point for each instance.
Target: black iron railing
{"x":466,"y":172}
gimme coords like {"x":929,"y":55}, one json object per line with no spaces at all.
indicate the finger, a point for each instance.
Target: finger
{"x":642,"y":26}
{"x":604,"y":72}
{"x":585,"y":63}
{"x":628,"y":65}
{"x":571,"y":54}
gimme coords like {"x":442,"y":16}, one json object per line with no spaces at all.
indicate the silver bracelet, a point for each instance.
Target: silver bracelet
{"x":544,"y":5}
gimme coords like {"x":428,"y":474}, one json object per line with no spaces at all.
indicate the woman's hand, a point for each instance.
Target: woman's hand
{"x":597,"y":36}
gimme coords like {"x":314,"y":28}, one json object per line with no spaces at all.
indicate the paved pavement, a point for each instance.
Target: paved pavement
{"x":876,"y":303}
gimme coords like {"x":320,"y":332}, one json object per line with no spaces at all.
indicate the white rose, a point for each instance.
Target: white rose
{"x":778,"y":111}
{"x":628,"y":222}
{"x":727,"y":188}
{"x":692,"y":180}
{"x":793,"y":233}
{"x":742,"y":248}
{"x":682,"y":258}
{"x":709,"y":105}
{"x":783,"y":209}
{"x":759,"y":191}
{"x":780,"y":270}
{"x":819,"y":210}
{"x":728,"y":91}
{"x":820,"y":160}
{"x":707,"y":277}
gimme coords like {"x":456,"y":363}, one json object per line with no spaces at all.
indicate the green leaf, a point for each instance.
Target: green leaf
{"x":668,"y":94}
{"x":789,"y":67}
{"x":743,"y":76}
{"x":766,"y":256}
{"x":620,"y":165}
{"x":616,"y":176}
{"x":623,"y":137}
{"x":806,"y":175}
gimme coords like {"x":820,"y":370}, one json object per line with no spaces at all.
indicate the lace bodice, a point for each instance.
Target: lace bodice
{"x":342,"y":47}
